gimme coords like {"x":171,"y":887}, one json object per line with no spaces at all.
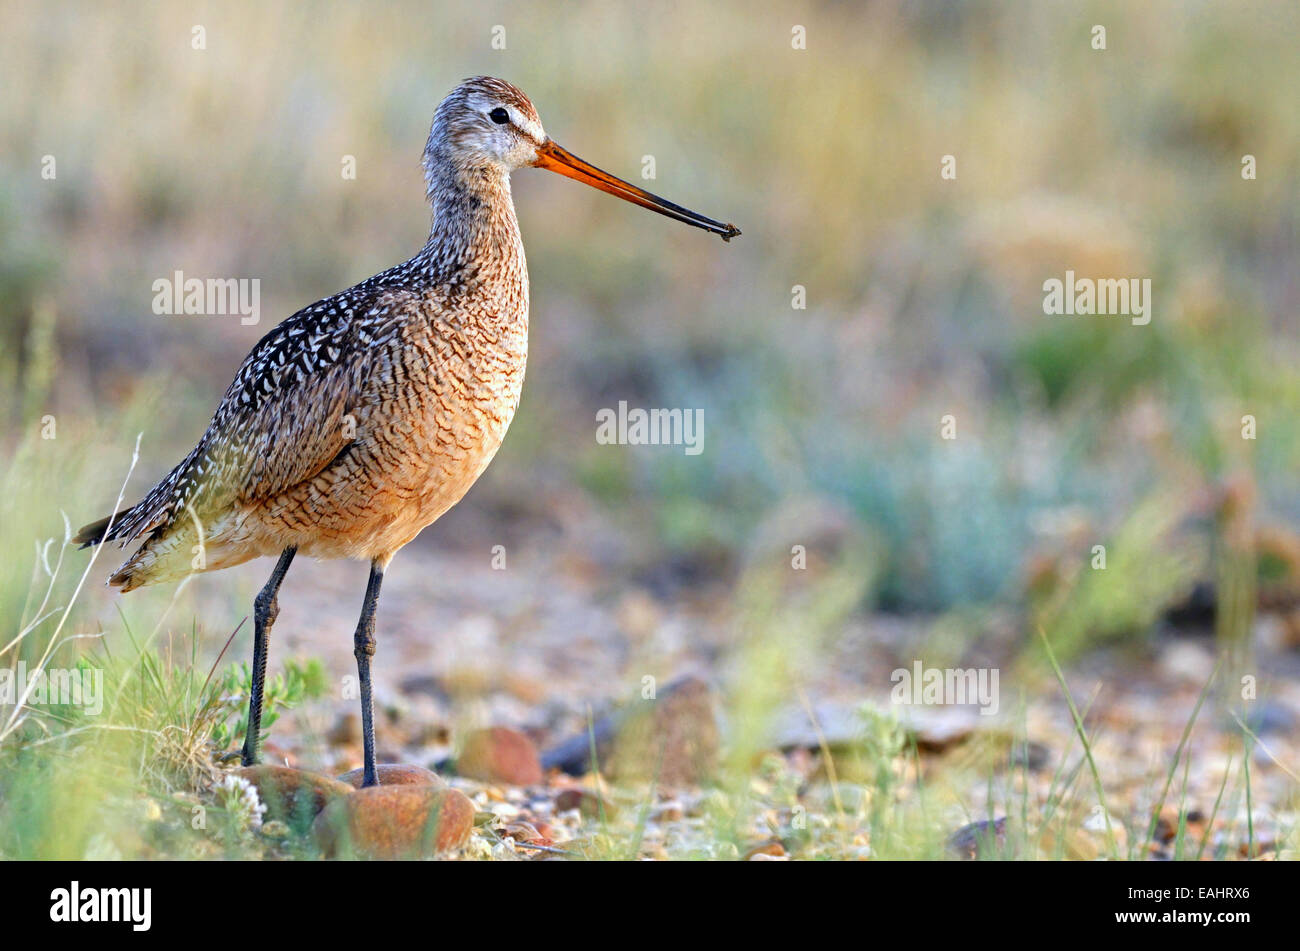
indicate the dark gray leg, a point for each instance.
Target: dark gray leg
{"x":364,"y":649}
{"x":265,"y":609}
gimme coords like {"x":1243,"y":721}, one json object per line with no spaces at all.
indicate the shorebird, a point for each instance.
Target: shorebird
{"x":362,"y":418}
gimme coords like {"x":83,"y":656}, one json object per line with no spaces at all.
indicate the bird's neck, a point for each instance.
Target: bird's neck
{"x":474,"y":226}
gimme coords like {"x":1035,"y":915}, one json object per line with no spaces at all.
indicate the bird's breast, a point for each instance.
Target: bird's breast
{"x":446,"y":397}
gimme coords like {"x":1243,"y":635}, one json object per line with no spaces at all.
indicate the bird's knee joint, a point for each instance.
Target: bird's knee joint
{"x":267,"y":608}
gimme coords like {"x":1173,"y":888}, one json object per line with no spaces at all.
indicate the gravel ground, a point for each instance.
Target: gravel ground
{"x":547,"y":649}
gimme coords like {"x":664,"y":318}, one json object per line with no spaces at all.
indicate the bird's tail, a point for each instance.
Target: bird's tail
{"x":134,"y":572}
{"x":141,"y":568}
{"x":94,"y":533}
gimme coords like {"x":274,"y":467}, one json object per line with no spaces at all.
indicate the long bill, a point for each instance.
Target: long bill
{"x":555,"y":159}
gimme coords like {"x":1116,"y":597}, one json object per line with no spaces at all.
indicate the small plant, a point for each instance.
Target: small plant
{"x":285,"y":690}
{"x":883,"y":739}
{"x":882,"y":742}
{"x":240,"y":806}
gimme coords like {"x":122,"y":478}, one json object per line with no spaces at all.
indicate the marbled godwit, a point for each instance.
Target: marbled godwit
{"x":362,"y":418}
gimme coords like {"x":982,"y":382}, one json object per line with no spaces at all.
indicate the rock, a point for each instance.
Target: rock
{"x":1186,"y":660}
{"x":673,"y":737}
{"x":1029,"y":755}
{"x":938,"y":729}
{"x":772,"y":848}
{"x":1192,"y":822}
{"x":293,"y":796}
{"x":1266,"y":716}
{"x":527,"y":833}
{"x":1166,"y":828}
{"x":1277,"y":551}
{"x":671,"y":811}
{"x":839,"y":724}
{"x":985,"y":839}
{"x":500,"y":755}
{"x":1107,"y":836}
{"x":585,"y":801}
{"x":394,"y":774}
{"x":395,"y":822}
{"x":531,"y":690}
{"x":572,"y":755}
{"x":1263,"y":848}
{"x":639,"y":614}
{"x":1084,"y":840}
{"x":425,"y":684}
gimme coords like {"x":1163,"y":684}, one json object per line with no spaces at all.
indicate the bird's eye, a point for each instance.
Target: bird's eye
{"x":499,"y":116}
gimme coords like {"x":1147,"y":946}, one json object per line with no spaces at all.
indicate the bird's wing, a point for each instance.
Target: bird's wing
{"x":283,"y":419}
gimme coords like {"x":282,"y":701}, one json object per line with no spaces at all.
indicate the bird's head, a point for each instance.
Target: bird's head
{"x":485,"y":123}
{"x":489,"y":125}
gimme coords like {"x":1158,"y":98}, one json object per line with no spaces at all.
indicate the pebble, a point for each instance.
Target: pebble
{"x":1029,"y":755}
{"x":528,"y":833}
{"x":673,"y":738}
{"x":671,"y":811}
{"x":588,"y":803}
{"x":771,"y":849}
{"x":291,"y":795}
{"x":500,"y":755}
{"x":979,"y":839}
{"x":395,"y":822}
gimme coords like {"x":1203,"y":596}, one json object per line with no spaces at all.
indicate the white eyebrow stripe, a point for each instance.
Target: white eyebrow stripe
{"x":532,"y":128}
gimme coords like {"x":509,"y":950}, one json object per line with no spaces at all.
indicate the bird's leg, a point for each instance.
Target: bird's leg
{"x":364,"y":649}
{"x":265,"y":608}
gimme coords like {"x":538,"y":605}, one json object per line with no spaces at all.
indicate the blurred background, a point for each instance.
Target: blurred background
{"x":821,"y":424}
